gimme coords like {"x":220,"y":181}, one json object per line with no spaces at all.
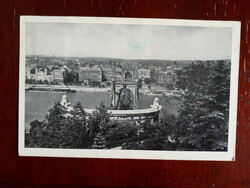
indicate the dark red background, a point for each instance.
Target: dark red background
{"x":69,"y":172}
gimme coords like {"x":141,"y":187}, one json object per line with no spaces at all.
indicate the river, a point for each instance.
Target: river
{"x":37,"y":104}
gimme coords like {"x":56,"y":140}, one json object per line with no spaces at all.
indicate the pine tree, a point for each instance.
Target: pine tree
{"x":99,"y":125}
{"x":203,"y":120}
{"x":59,"y":130}
{"x":76,"y":133}
{"x":219,"y":106}
{"x":55,"y":122}
{"x":99,"y":141}
{"x":100,"y":119}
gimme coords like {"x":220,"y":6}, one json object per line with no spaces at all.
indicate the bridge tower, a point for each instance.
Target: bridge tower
{"x":125,"y":93}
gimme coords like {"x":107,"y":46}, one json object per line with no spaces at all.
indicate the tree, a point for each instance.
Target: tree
{"x":119,"y":131}
{"x":55,"y":122}
{"x":99,"y":125}
{"x":60,"y":129}
{"x":35,"y":136}
{"x":108,"y":84}
{"x":159,"y":136}
{"x":100,"y":117}
{"x":69,"y":77}
{"x":203,"y":119}
{"x":219,"y":106}
{"x":99,"y":141}
{"x":148,"y":81}
{"x":169,"y":81}
{"x":153,"y":74}
{"x":140,"y":83}
{"x":46,"y":82}
{"x":76,"y":133}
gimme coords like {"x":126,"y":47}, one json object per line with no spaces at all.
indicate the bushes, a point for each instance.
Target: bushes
{"x":118,"y":132}
{"x":63,"y":129}
{"x":121,"y":131}
{"x":60,"y":129}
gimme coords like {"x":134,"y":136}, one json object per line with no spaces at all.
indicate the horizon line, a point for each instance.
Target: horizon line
{"x":225,"y":59}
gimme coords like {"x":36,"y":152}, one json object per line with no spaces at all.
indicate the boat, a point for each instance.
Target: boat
{"x":50,"y":90}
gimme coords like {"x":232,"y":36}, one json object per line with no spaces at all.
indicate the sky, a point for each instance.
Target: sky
{"x":128,"y":41}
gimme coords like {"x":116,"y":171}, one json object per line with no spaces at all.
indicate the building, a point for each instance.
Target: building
{"x":118,"y":74}
{"x":107,"y":73}
{"x":165,"y":76}
{"x":58,"y":75}
{"x":40,"y":74}
{"x":143,"y":73}
{"x":27,"y":72}
{"x":93,"y":74}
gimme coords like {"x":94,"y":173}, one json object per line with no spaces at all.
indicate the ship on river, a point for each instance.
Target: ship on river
{"x":49,"y":89}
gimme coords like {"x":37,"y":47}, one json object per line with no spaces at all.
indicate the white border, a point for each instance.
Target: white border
{"x":133,"y":154}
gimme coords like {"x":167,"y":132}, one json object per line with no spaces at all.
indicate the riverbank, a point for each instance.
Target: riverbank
{"x":37,"y":104}
{"x":77,"y":88}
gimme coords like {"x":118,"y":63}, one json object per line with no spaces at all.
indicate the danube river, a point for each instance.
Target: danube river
{"x":37,"y":104}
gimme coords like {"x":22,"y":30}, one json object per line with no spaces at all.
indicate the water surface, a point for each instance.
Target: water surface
{"x":37,"y":104}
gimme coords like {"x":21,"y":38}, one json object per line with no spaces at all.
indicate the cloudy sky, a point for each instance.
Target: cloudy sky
{"x":128,"y":41}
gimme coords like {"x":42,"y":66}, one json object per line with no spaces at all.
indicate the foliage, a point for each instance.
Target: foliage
{"x":169,"y":81}
{"x":77,"y":130}
{"x":160,"y":135}
{"x":121,"y":130}
{"x":100,"y":118}
{"x":99,"y":125}
{"x":203,"y":119}
{"x":99,"y":141}
{"x":140,"y":83}
{"x":131,"y":145}
{"x":60,"y":129}
{"x":148,"y":81}
{"x":202,"y":123}
{"x":153,"y":74}
{"x":69,"y":77}
{"x":69,"y":129}
{"x":94,"y":84}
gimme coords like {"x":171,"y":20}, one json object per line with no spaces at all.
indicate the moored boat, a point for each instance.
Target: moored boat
{"x":50,"y":89}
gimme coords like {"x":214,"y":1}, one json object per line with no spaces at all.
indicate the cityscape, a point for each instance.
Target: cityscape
{"x":108,"y":103}
{"x":85,"y":71}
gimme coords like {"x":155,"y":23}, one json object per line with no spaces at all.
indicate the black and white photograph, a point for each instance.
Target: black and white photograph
{"x":128,"y":88}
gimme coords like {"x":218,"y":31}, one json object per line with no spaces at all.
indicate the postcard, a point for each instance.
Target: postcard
{"x":128,"y":88}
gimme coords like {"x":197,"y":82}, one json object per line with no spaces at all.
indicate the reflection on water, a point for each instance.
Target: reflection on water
{"x":37,"y":104}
